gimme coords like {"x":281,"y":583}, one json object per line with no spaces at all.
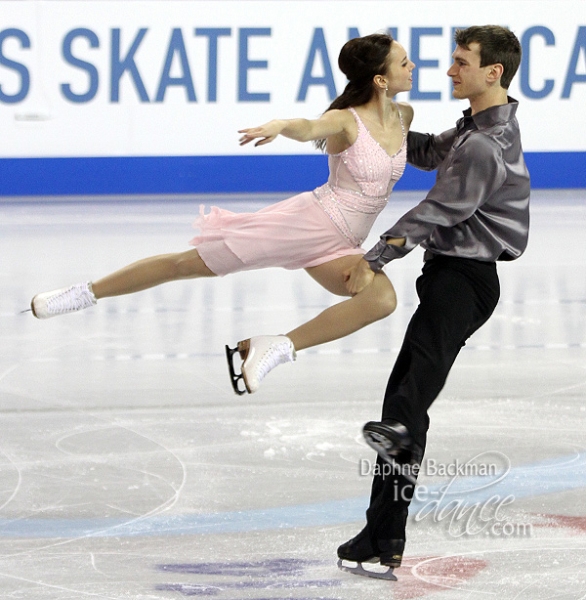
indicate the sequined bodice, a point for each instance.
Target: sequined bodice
{"x":360,"y":183}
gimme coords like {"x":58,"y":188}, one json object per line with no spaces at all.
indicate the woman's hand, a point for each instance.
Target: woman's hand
{"x":332,"y":122}
{"x":358,"y":277}
{"x":264,"y":133}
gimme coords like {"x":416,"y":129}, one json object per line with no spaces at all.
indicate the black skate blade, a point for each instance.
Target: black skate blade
{"x":371,"y":439}
{"x":360,"y":570}
{"x":25,"y":311}
{"x":234,"y":377}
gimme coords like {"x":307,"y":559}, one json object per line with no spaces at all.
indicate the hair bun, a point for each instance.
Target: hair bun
{"x":364,"y":57}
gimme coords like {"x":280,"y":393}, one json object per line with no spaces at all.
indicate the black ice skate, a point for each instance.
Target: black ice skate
{"x":393,"y":444}
{"x":359,"y":550}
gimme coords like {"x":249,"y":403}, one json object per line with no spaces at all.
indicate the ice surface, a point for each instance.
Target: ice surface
{"x":129,"y":469}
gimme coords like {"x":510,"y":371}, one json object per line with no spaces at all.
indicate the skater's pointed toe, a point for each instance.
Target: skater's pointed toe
{"x":33,"y":308}
{"x":63,"y":301}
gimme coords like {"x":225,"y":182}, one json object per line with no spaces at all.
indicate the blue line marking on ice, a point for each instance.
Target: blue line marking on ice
{"x":545,"y":477}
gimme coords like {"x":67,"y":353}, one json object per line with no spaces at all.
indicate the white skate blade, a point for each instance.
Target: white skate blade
{"x":360,"y":570}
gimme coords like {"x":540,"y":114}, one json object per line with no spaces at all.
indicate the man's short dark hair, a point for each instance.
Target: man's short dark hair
{"x":497,"y":45}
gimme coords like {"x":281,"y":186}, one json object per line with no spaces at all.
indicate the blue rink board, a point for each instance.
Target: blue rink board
{"x":226,"y":174}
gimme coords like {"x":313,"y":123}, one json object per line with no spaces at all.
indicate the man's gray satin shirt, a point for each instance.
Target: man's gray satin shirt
{"x":479,"y":205}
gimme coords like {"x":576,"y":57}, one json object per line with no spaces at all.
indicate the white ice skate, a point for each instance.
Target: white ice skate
{"x":66,"y":300}
{"x":261,"y":355}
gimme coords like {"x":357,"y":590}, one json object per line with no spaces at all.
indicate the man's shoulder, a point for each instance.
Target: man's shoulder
{"x":482,"y":143}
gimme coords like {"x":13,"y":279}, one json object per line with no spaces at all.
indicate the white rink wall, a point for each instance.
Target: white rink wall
{"x":114,"y":78}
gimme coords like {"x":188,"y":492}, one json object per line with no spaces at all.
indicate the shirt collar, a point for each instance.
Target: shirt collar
{"x":493,"y":115}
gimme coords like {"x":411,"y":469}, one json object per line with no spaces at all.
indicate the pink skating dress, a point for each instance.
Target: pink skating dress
{"x":310,"y":228}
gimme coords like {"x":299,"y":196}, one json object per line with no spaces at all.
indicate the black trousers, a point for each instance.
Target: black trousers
{"x":457,"y":296}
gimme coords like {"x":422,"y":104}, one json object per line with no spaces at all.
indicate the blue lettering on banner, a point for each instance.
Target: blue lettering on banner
{"x":90,"y":69}
{"x":524,"y":74}
{"x":213,"y":34}
{"x":245,"y":64}
{"x":317,"y":70}
{"x":416,"y":34}
{"x":120,"y":66}
{"x":318,"y":47}
{"x":25,"y":42}
{"x":176,"y":47}
{"x":573,"y":77}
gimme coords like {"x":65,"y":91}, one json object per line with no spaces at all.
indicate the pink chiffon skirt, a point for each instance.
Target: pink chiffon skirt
{"x":293,"y":234}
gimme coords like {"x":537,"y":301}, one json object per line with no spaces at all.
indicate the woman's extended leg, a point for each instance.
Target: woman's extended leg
{"x":263,"y":353}
{"x":376,"y":301}
{"x":152,"y":271}
{"x":141,"y":275}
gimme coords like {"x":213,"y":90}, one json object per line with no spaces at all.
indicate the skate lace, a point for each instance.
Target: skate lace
{"x":74,"y":298}
{"x":275,"y":355}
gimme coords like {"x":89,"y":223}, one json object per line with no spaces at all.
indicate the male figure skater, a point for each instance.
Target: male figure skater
{"x":477,"y":213}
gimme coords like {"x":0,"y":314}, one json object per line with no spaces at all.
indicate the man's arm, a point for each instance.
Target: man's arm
{"x":361,"y":275}
{"x":475,"y":172}
{"x":426,"y":151}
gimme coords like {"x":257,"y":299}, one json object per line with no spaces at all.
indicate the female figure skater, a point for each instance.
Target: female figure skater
{"x":364,"y":133}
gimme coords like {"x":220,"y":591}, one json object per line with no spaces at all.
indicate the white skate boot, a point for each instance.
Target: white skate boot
{"x":260,"y":354}
{"x":63,"y":301}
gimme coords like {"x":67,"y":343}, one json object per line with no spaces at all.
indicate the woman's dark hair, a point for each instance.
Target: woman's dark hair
{"x":360,"y":60}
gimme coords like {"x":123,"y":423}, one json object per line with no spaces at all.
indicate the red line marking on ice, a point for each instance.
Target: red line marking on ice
{"x":434,"y":576}
{"x":576,"y":524}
